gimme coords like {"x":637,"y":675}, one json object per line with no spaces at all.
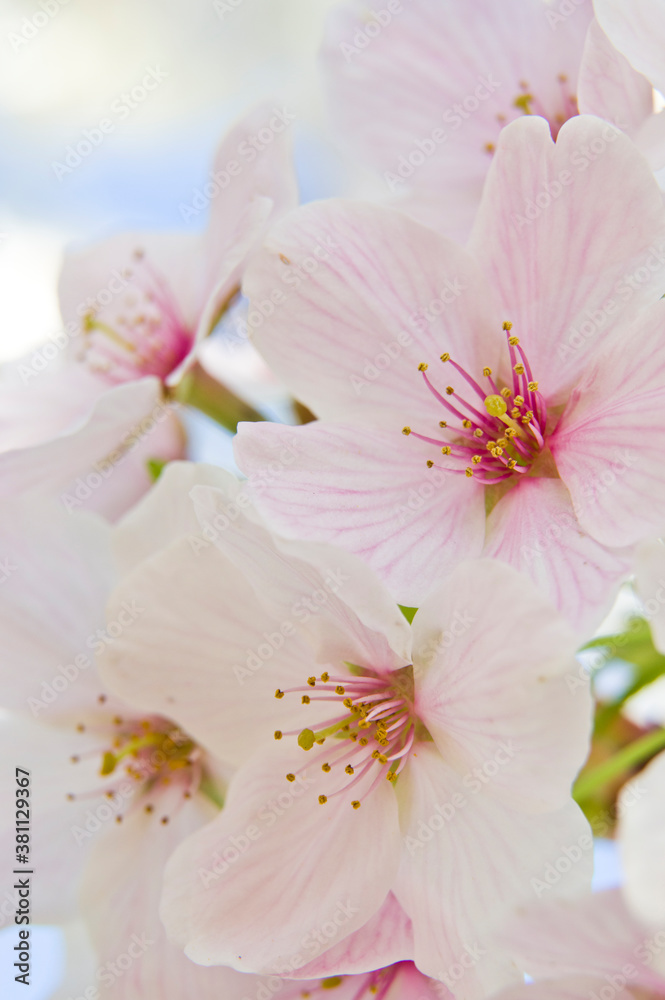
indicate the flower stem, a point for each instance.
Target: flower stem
{"x":628,"y":757}
{"x":199,"y":389}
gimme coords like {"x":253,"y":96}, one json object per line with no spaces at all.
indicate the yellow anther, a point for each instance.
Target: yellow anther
{"x":496,"y":452}
{"x":467,"y":424}
{"x":506,"y":393}
{"x":533,"y":387}
{"x":512,"y":463}
{"x":347,"y":703}
{"x":450,"y":391}
{"x":445,"y":357}
{"x":510,"y":432}
{"x":490,"y":147}
{"x":406,"y":430}
{"x":278,"y":734}
{"x":476,"y":459}
{"x":323,"y":799}
{"x":363,"y":741}
{"x":422,"y":367}
{"x":519,"y":400}
{"x":495,"y":405}
{"x":524,"y":102}
{"x":311,"y":681}
{"x":355,"y":804}
{"x":321,"y":742}
{"x":513,"y":341}
{"x":446,"y":449}
{"x":306,"y":699}
{"x":339,"y":689}
{"x":515,"y":412}
{"x":478,"y":433}
{"x":487,"y":372}
{"x":279,"y":694}
{"x":290,"y":777}
{"x":502,"y":442}
{"x":507,"y":325}
{"x":391,"y":776}
{"x":429,"y":463}
{"x":325,"y":767}
{"x":519,"y":369}
{"x":349,"y":769}
{"x":325,"y":676}
{"x":469,"y":472}
{"x":443,"y":423}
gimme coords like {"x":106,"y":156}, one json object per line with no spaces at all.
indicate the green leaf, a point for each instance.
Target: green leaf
{"x":409,"y":613}
{"x":155,"y":467}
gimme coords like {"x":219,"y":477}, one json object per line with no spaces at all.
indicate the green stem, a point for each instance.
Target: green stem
{"x":204,"y":393}
{"x":627,"y":758}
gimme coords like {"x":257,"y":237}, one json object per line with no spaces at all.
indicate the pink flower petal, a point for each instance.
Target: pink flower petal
{"x":609,"y":444}
{"x":370,"y":493}
{"x":491,"y":664}
{"x":564,"y":276}
{"x":534,"y":529}
{"x":468,"y":862}
{"x":360,"y":297}
{"x":292,"y":878}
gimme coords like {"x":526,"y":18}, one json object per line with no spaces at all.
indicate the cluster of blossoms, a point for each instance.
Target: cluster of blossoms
{"x":326,"y":729}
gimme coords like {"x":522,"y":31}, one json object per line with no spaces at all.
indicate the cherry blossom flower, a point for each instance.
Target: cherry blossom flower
{"x":134,"y":308}
{"x":344,"y":721}
{"x":425,"y":91}
{"x":506,"y":399}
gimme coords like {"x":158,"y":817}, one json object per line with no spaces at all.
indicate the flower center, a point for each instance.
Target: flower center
{"x":371,"y":732}
{"x":500,"y":441}
{"x":142,"y":333}
{"x":375,"y":985}
{"x":153,"y":754}
{"x":527,"y":103}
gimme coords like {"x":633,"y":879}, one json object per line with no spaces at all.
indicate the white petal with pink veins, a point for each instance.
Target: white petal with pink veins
{"x":637,"y":28}
{"x":278,"y":878}
{"x":608,"y":445}
{"x":362,"y":296}
{"x":467,"y":863}
{"x":331,"y":596}
{"x":205,"y":652}
{"x":609,"y":86}
{"x":491,"y":661}
{"x":534,"y":529}
{"x":370,"y":492}
{"x":438,"y":81}
{"x":565,"y":276}
{"x":100,"y":464}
